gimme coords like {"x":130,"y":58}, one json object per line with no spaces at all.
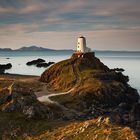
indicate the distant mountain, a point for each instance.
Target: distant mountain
{"x":33,"y":48}
{"x":116,"y":51}
{"x":5,"y":49}
{"x":37,"y":48}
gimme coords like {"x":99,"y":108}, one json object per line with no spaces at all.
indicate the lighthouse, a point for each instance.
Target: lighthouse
{"x":81,"y":45}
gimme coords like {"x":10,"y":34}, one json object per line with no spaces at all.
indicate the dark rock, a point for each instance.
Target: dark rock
{"x":37,"y":110}
{"x":23,"y":100}
{"x":118,"y":69}
{"x":2,"y":71}
{"x":124,"y":106}
{"x":135,"y":112}
{"x":45,"y":65}
{"x":111,"y":75}
{"x":122,"y":78}
{"x":21,"y":97}
{"x":50,"y":63}
{"x":6,"y":66}
{"x":35,"y":62}
{"x":88,"y":61}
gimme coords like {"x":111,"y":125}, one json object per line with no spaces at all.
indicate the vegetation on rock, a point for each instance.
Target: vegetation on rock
{"x":98,"y":90}
{"x":93,"y":82}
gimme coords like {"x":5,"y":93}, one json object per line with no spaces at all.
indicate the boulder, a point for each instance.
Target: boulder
{"x":38,"y":110}
{"x":35,"y":62}
{"x":4,"y":67}
{"x":45,"y":65}
{"x":50,"y":63}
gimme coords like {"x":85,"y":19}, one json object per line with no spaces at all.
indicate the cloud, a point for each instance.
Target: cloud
{"x":5,"y":10}
{"x":97,"y":40}
{"x":28,"y":17}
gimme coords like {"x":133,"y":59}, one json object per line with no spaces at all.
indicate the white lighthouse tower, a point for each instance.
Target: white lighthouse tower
{"x":81,"y":45}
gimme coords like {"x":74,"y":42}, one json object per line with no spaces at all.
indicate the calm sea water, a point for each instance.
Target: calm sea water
{"x":128,"y":61}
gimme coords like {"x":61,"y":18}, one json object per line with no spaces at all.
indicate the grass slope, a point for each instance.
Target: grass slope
{"x":15,"y":127}
{"x":93,"y":83}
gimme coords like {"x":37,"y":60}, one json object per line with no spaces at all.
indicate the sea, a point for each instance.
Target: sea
{"x":129,"y":61}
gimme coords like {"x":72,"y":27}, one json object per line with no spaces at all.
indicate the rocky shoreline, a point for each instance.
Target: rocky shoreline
{"x":98,"y":93}
{"x":104,"y":92}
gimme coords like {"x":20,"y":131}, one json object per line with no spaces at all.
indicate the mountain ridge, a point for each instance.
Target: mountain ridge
{"x":33,"y":48}
{"x":39,"y":48}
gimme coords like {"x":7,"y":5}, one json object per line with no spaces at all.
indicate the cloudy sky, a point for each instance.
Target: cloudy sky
{"x":107,"y":24}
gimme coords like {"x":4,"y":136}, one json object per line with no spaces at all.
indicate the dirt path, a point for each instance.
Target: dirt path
{"x":46,"y":98}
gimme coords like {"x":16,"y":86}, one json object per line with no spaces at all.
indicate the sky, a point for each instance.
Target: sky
{"x":56,"y":24}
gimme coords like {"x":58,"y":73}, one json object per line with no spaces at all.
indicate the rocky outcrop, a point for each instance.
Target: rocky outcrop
{"x":97,"y":90}
{"x":93,"y":82}
{"x":98,"y":95}
{"x":23,"y":100}
{"x":35,"y":62}
{"x":64,"y":75}
{"x":39,"y":63}
{"x":88,"y":61}
{"x":4,"y":67}
{"x":45,"y":65}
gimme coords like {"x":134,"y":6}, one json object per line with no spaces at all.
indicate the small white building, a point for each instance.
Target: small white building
{"x":81,"y":45}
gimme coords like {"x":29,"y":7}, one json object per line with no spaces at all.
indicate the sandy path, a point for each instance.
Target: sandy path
{"x":46,"y":98}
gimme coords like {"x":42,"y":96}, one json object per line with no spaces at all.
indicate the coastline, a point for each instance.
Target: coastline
{"x":16,"y":76}
{"x":30,"y":81}
{"x":29,"y":89}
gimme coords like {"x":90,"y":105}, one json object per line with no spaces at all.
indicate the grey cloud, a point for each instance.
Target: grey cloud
{"x":70,"y":15}
{"x":25,"y":21}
